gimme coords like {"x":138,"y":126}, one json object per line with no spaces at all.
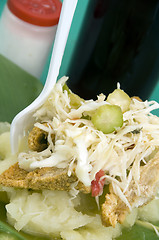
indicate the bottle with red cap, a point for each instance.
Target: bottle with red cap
{"x":27,"y":30}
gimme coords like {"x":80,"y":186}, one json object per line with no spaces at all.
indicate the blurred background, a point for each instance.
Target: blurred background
{"x":75,"y":58}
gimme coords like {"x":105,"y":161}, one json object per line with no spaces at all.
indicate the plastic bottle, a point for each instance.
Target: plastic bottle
{"x":27,"y":30}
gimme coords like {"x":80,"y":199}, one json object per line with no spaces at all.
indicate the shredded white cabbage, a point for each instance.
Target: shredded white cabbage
{"x":79,"y":145}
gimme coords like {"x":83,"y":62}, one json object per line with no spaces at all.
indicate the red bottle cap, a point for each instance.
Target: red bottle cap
{"x":37,"y":12}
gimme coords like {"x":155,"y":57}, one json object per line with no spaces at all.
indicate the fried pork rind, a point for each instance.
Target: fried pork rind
{"x":115,"y":210}
{"x":50,"y":178}
{"x":37,"y":139}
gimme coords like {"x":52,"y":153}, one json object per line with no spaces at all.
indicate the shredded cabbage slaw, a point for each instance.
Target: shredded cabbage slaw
{"x":80,"y":147}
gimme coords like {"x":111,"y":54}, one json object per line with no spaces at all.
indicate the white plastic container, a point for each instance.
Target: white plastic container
{"x":27,"y":31}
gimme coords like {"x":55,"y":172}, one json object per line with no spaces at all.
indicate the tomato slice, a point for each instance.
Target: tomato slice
{"x":97,"y":184}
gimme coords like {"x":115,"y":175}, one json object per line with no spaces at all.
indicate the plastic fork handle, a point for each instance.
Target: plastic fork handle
{"x":64,"y":25}
{"x":25,"y":117}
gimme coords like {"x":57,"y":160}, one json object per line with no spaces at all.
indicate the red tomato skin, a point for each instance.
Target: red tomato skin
{"x":97,"y":184}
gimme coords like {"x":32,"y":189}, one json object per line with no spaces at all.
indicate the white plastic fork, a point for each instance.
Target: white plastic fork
{"x":25,"y":119}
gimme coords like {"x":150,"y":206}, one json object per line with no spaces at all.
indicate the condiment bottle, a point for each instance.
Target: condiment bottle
{"x":27,"y":30}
